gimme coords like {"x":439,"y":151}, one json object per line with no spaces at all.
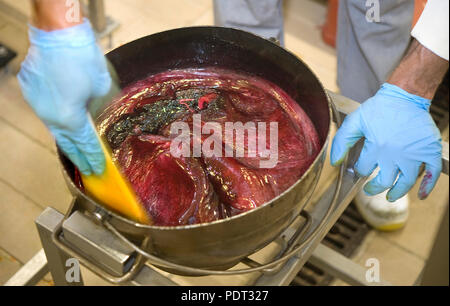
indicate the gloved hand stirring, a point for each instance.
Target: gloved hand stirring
{"x":63,"y":70}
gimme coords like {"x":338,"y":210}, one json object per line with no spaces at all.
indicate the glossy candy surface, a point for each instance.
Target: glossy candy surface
{"x":180,"y":190}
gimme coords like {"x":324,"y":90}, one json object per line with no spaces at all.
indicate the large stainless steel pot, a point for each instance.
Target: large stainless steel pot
{"x":221,"y":244}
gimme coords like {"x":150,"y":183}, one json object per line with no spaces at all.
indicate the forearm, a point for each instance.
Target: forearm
{"x":420,"y":72}
{"x":49,"y":15}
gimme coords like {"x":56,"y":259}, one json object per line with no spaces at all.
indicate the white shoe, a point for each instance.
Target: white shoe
{"x":381,"y":214}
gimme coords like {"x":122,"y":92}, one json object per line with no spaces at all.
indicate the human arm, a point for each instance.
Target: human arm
{"x":50,"y":15}
{"x":420,"y":72}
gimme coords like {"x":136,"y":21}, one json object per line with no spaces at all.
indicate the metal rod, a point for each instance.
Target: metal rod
{"x":97,"y":15}
{"x":341,"y":267}
{"x":291,"y":268}
{"x":289,"y":245}
{"x":32,"y":272}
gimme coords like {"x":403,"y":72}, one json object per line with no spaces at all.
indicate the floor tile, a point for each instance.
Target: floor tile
{"x":31,"y":169}
{"x":8,"y":266}
{"x":92,"y":279}
{"x":89,"y":279}
{"x":15,"y":38}
{"x":312,"y":12}
{"x":397,"y":266}
{"x":139,"y":27}
{"x":303,"y":21}
{"x":206,"y":19}
{"x":18,"y":231}
{"x":45,"y":283}
{"x":15,"y":13}
{"x":23,"y":7}
{"x":17,"y":113}
{"x":423,"y":223}
{"x":173,"y":13}
{"x":320,"y":58}
{"x":204,"y":4}
{"x":3,"y":23}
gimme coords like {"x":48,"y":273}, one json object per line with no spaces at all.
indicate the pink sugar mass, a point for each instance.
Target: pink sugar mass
{"x":189,"y":190}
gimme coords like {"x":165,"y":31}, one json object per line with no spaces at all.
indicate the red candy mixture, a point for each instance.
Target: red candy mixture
{"x":197,"y":189}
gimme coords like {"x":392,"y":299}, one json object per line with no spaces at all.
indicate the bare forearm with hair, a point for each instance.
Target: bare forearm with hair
{"x":420,"y":72}
{"x":49,"y":15}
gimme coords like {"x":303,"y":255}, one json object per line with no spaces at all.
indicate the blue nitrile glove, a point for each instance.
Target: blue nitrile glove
{"x":63,"y":70}
{"x":400,"y":135}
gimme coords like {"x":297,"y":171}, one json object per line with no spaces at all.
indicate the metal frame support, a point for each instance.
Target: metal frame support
{"x":342,"y":267}
{"x":32,"y":272}
{"x":350,"y":186}
{"x":46,"y":224}
{"x":97,"y":15}
{"x":103,"y":25}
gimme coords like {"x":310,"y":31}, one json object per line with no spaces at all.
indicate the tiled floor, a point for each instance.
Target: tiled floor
{"x":30,"y":179}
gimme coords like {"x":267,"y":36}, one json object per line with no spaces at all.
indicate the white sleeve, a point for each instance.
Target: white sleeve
{"x":431,"y":29}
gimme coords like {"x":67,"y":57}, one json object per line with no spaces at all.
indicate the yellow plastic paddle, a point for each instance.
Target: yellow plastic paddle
{"x":114,"y":191}
{"x":111,"y":188}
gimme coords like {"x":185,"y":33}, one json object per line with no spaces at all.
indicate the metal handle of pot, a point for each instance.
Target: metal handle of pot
{"x":261,"y":268}
{"x":129,"y":275}
{"x":144,"y":256}
{"x":196,"y":271}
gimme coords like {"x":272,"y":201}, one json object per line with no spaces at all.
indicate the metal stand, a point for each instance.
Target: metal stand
{"x":103,"y":25}
{"x":46,"y":224}
{"x":101,"y":248}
